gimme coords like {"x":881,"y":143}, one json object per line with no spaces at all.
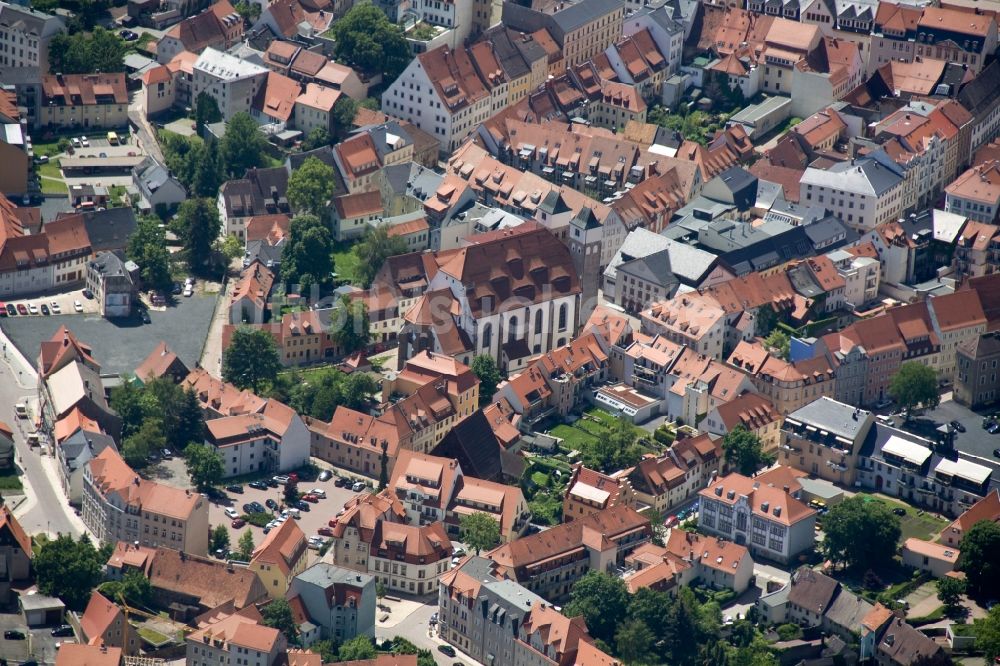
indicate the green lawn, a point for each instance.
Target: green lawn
{"x":51,"y":178}
{"x":926,"y":526}
{"x":9,"y":480}
{"x":345,"y":262}
{"x":573,"y":437}
{"x":153,"y":637}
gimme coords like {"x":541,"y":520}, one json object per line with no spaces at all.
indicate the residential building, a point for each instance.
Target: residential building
{"x":15,"y":554}
{"x":158,"y":189}
{"x":689,"y":320}
{"x":900,"y":464}
{"x":161,"y":362}
{"x":104,"y":623}
{"x":975,"y":371}
{"x":13,"y":144}
{"x":355,"y":214}
{"x":109,"y":278}
{"x":69,"y":380}
{"x":218,"y":27}
{"x":788,"y":385}
{"x":975,"y":246}
{"x":77,"y":440}
{"x":958,"y":320}
{"x":273,"y":439}
{"x":550,"y":562}
{"x":988,"y":508}
{"x":481,"y":447}
{"x":689,"y":558}
{"x":434,"y":489}
{"x":119,"y":505}
{"x":824,"y":439}
{"x":25,"y":35}
{"x":404,"y":557}
{"x":753,"y":412}
{"x":341,"y":602}
{"x":672,"y":478}
{"x":280,"y":557}
{"x":76,"y":654}
{"x":816,"y":600}
{"x":976,"y":193}
{"x":581,"y":29}
{"x":934,"y":558}
{"x":190,"y":584}
{"x":770,"y":521}
{"x":259,"y":192}
{"x":233,"y":83}
{"x":236,"y":637}
{"x":589,"y":491}
{"x":862,"y":192}
{"x":250,"y":296}
{"x":314,"y":108}
{"x":92,"y":101}
{"x":956,"y":36}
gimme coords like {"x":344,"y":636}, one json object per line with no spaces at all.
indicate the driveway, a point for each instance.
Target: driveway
{"x":310,"y":521}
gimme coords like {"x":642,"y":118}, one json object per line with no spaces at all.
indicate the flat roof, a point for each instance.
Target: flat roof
{"x":911,"y":452}
{"x":590,"y":493}
{"x":964,"y":469}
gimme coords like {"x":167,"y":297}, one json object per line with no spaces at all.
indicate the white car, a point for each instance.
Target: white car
{"x":231,"y":513}
{"x":188,"y":292}
{"x":75,"y":141}
{"x":85,"y":142}
{"x":78,"y":306}
{"x":32,"y":308}
{"x":55,"y":307}
{"x":358,"y":486}
{"x":318,"y":492}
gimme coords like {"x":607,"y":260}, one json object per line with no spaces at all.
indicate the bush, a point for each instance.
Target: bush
{"x":663,"y":436}
{"x":723,"y":597}
{"x":540,"y":479}
{"x":789,"y":632}
{"x":258,"y":519}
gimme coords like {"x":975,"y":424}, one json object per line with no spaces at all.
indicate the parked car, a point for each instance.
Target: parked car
{"x":447,"y":650}
{"x":280,"y":479}
{"x":301,"y":506}
{"x":358,"y":486}
{"x":248,"y":508}
{"x":899,"y":511}
{"x":271,"y":504}
{"x":88,"y":294}
{"x":167,"y":454}
{"x":63,"y":630}
{"x":318,"y":492}
{"x":176,"y":289}
{"x":993,"y":429}
{"x":78,"y":306}
{"x":325,"y":475}
{"x":11,"y":310}
{"x":75,"y":141}
{"x":237,"y":523}
{"x":22,"y":309}
{"x":996,"y":453}
{"x":341,"y":482}
{"x":325,"y":531}
{"x":957,"y":425}
{"x":271,"y":483}
{"x":13,"y":635}
{"x":32,"y":308}
{"x":55,"y":308}
{"x":257,"y":507}
{"x":85,"y":142}
{"x":188,"y":291}
{"x":231,"y":513}
{"x":235,"y":488}
{"x":45,"y":309}
{"x":258,"y":485}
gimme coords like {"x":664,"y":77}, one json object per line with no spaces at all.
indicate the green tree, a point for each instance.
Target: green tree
{"x":80,"y":53}
{"x":367,"y":39}
{"x":245,"y":546}
{"x":220,"y":539}
{"x":149,"y":438}
{"x":126,"y":401}
{"x":380,"y":590}
{"x":310,"y":187}
{"x":480,"y":531}
{"x":603,"y":602}
{"x":229,"y":247}
{"x":914,"y":384}
{"x":307,"y":257}
{"x":249,"y":12}
{"x":147,"y":247}
{"x":69,"y":569}
{"x":291,"y":491}
{"x":744,"y":451}
{"x":861,"y":533}
{"x":206,"y":111}
{"x":317,"y":138}
{"x":197,"y":222}
{"x":251,"y":359}
{"x":950,"y":591}
{"x":635,"y":642}
{"x":376,"y":246}
{"x":278,"y":615}
{"x":134,"y":588}
{"x":344,"y":111}
{"x":650,"y":607}
{"x":357,"y":648}
{"x":978,"y":559}
{"x":204,"y":465}
{"x":779,"y":340}
{"x":485,"y":368}
{"x":615,"y":448}
{"x":988,"y":635}
{"x":383,"y":474}
{"x":242,"y":145}
{"x":326,"y":649}
{"x":178,"y":408}
{"x":206,"y":170}
{"x":351,"y":329}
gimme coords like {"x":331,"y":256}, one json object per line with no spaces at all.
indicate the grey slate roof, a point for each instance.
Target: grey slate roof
{"x":323,"y":575}
{"x":74,"y":445}
{"x":834,"y":417}
{"x":653,"y":268}
{"x":583,"y":12}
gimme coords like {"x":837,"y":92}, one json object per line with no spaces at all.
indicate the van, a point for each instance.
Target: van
{"x":293,"y":512}
{"x":33,"y":439}
{"x":21,"y":410}
{"x":112,"y":139}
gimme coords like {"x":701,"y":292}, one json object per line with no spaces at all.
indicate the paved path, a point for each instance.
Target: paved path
{"x":144,"y":132}
{"x":46,"y":509}
{"x":211,"y":354}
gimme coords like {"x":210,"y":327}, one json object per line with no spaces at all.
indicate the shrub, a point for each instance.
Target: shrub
{"x":789,"y":632}
{"x":663,"y":436}
{"x":258,"y":519}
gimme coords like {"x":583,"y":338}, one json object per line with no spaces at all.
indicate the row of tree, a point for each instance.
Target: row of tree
{"x":155,"y":415}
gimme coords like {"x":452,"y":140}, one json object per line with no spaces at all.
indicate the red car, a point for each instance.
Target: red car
{"x":670,"y":522}
{"x":22,"y":309}
{"x":325,"y":531}
{"x":309,"y":497}
{"x":237,"y":523}
{"x":333,"y":522}
{"x":293,"y":477}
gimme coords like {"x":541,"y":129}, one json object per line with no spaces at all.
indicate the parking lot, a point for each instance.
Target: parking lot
{"x":122,"y":344}
{"x":65,"y":302}
{"x":310,"y":521}
{"x":39,"y":643}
